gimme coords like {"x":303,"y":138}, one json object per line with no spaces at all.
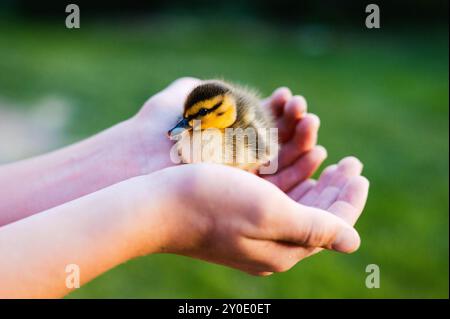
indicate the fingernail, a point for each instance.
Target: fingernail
{"x":315,"y":119}
{"x":347,"y":241}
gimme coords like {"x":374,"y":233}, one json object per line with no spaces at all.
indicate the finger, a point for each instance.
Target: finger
{"x":326,"y":177}
{"x":277,"y":100}
{"x":327,"y":197}
{"x":300,"y":170}
{"x":350,"y":203}
{"x":294,"y":110}
{"x":345,"y":170}
{"x":305,"y":139}
{"x":347,"y":167}
{"x":335,"y":176}
{"x":311,"y":196}
{"x":351,"y":200}
{"x":301,"y":189}
{"x":311,"y":227}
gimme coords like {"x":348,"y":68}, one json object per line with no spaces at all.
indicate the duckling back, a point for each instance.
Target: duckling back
{"x":258,"y":145}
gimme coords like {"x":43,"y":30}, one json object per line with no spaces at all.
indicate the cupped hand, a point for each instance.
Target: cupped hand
{"x":231,"y":217}
{"x":340,"y":192}
{"x":299,"y":156}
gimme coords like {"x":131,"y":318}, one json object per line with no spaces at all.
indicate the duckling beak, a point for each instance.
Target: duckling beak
{"x":181,"y":126}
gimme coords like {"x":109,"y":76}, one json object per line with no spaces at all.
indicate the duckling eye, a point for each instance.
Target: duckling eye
{"x":203,"y":112}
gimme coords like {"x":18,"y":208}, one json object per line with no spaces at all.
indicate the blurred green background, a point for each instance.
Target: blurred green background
{"x":382,"y":95}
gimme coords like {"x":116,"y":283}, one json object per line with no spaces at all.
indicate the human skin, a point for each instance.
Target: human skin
{"x":139,"y":146}
{"x":105,"y":228}
{"x":225,"y":215}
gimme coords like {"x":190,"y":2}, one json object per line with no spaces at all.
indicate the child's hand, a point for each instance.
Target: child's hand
{"x":231,"y":217}
{"x":297,"y":131}
{"x":211,"y":212}
{"x":139,"y":146}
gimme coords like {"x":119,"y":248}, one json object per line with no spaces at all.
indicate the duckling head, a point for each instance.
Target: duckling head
{"x":212,"y":103}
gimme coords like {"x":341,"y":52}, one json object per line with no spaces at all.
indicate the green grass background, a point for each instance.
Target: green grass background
{"x":382,"y":95}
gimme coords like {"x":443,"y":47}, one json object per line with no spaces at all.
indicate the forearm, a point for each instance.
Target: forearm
{"x":46,"y":181}
{"x":95,"y":232}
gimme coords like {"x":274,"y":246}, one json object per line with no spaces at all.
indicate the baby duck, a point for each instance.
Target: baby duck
{"x":235,"y":129}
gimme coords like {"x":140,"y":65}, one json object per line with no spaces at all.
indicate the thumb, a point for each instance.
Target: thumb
{"x":312,"y":227}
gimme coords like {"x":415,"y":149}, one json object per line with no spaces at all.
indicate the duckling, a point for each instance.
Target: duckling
{"x":234,"y":127}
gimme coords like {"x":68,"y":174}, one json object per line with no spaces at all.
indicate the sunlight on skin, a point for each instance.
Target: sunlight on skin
{"x":299,"y":156}
{"x":293,"y":218}
{"x":139,"y":217}
{"x":298,"y":129}
{"x":342,"y":192}
{"x":139,"y":146}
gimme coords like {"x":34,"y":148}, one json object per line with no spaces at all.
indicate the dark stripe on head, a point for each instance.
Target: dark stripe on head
{"x":215,"y":107}
{"x":204,"y":92}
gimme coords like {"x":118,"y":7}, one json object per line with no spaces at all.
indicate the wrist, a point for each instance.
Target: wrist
{"x":120,"y":154}
{"x":122,"y":145}
{"x":180,"y":223}
{"x":155,"y":211}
